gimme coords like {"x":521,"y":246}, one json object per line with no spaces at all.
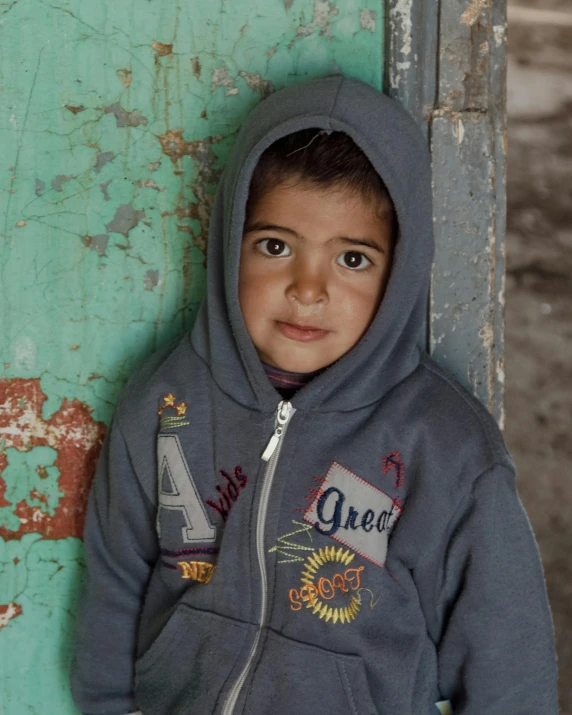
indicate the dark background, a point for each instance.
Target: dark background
{"x":539,"y":296}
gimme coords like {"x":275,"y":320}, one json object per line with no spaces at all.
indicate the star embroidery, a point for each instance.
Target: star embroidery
{"x":169,"y":400}
{"x":181,"y":409}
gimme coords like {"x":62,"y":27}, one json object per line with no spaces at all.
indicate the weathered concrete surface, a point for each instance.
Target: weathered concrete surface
{"x":447,"y":65}
{"x":539,"y":301}
{"x":468,"y":141}
{"x":115,"y":122}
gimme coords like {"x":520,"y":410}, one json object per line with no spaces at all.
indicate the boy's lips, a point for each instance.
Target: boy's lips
{"x":301,"y":333}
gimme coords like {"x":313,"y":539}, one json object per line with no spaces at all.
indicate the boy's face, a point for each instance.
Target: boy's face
{"x":313,"y":269}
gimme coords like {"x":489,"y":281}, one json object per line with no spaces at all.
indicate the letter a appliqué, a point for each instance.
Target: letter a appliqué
{"x":184,"y":495}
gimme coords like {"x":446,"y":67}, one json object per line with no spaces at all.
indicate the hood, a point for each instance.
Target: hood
{"x":388,"y":352}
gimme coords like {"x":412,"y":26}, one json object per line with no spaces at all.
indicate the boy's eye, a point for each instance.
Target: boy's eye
{"x":273,"y":247}
{"x":354,"y":260}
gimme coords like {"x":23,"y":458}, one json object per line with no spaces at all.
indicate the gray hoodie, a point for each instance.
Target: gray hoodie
{"x":360,"y":549}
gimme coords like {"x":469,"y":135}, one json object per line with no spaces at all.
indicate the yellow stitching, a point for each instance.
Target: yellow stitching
{"x":201,"y":571}
{"x":373,"y":601}
{"x":170,"y":401}
{"x":284,"y":547}
{"x":172,"y":425}
{"x":314,"y":594}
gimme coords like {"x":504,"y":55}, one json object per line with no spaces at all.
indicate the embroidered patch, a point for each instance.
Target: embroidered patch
{"x":229,"y":493}
{"x":178,"y":492}
{"x":444,"y":707}
{"x":393,"y":461}
{"x":172,"y":420}
{"x":353,"y":512}
{"x":373,"y":601}
{"x":324,"y":579}
{"x":201,"y":571}
{"x":287,"y":550}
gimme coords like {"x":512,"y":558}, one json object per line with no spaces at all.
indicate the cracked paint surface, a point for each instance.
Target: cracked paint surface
{"x":45,"y":465}
{"x":113,"y":134}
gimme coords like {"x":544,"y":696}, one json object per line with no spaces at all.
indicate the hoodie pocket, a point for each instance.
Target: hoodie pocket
{"x":294,"y":677}
{"x":189,"y":663}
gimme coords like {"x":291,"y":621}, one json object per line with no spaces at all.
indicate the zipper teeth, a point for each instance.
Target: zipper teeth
{"x":260,"y":527}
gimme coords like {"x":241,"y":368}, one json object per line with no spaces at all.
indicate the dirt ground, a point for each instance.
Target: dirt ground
{"x":539,"y":302}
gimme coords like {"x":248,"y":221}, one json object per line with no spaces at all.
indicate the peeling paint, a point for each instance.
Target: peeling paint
{"x":76,"y":439}
{"x":401,"y":25}
{"x":8,"y":612}
{"x":161,"y":50}
{"x":104,"y":186}
{"x":402,"y":14}
{"x":76,"y":109}
{"x":125,"y":219}
{"x":323,"y":14}
{"x":499,"y":32}
{"x":125,"y":76}
{"x":96,"y":243}
{"x":459,"y":130}
{"x":196,"y":66}
{"x":264,"y":87}
{"x":59,"y":180}
{"x":148,"y":184}
{"x":175,"y":147}
{"x":367,"y":19}
{"x":150,"y":279}
{"x":102,"y":159}
{"x":221,"y":78}
{"x":125,"y":118}
{"x":471,"y":14}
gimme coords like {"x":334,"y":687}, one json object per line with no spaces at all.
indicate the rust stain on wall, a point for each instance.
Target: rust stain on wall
{"x":3,"y":465}
{"x":176,"y":147}
{"x":196,"y":65}
{"x":75,"y":109}
{"x":76,"y":438}
{"x":9,"y":611}
{"x":471,"y":14}
{"x":125,"y":76}
{"x":161,"y":50}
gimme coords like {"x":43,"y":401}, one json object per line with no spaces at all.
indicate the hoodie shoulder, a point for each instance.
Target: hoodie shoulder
{"x":152,"y":374}
{"x":460,"y":415}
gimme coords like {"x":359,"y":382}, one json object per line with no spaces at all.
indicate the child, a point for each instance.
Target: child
{"x":296,"y":511}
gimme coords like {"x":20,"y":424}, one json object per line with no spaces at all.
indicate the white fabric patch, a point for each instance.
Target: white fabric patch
{"x":444,"y":707}
{"x":184,"y":496}
{"x":354,"y":512}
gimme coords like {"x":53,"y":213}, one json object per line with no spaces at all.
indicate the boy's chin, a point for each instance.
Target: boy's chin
{"x":296,"y":363}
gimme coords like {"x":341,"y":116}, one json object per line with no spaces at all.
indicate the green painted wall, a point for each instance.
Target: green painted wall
{"x":115,"y":121}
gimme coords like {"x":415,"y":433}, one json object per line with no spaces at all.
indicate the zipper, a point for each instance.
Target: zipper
{"x":270,"y":455}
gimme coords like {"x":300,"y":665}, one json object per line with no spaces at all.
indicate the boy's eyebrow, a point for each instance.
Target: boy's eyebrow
{"x":261,"y":226}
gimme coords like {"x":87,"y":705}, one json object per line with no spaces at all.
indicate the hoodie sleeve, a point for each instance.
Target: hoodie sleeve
{"x":120,"y":551}
{"x":496,"y":654}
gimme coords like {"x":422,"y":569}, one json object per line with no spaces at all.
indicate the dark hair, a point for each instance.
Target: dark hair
{"x":327,"y":160}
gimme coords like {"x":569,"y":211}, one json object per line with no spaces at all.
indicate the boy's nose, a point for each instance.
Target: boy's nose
{"x":308,"y":287}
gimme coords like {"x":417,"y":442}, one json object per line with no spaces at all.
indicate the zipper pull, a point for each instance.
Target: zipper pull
{"x":282,"y":417}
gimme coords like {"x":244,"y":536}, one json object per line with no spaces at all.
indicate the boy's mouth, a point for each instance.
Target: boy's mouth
{"x":301,"y":333}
